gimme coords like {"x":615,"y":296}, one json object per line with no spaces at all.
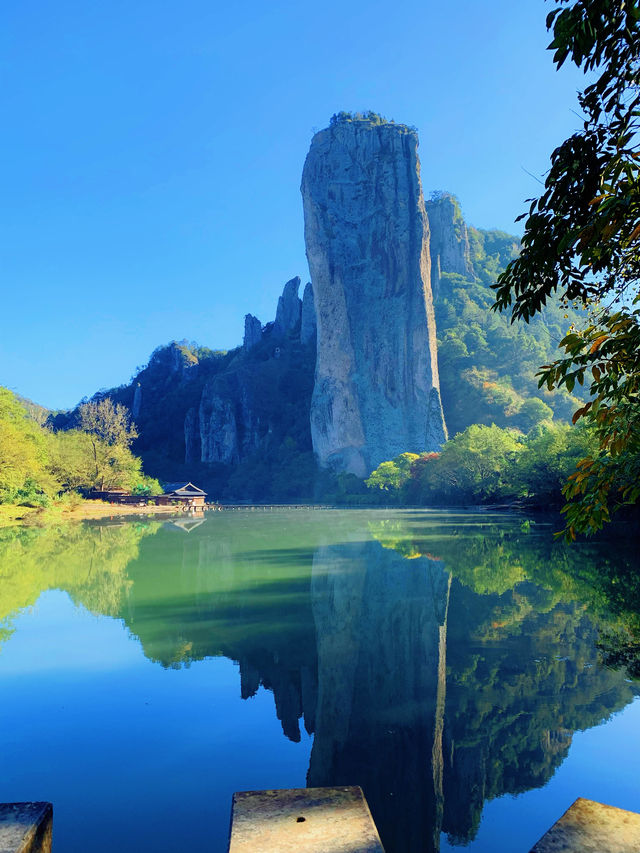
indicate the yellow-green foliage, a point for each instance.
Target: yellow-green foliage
{"x":487,"y":365}
{"x":493,"y":558}
{"x":393,"y":474}
{"x":37,"y":464}
{"x":23,"y":451}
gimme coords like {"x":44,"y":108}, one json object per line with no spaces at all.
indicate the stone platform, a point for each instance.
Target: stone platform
{"x":25,"y":827}
{"x":303,"y":820}
{"x":590,"y":827}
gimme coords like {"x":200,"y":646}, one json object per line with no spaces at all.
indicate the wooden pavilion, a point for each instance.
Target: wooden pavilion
{"x":191,"y":496}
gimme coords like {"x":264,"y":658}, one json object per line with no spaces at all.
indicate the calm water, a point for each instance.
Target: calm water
{"x":445,"y":662}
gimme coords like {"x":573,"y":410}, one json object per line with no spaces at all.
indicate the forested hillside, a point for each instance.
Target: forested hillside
{"x":487,"y":365}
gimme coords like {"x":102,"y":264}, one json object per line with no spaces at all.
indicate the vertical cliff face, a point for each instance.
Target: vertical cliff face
{"x":136,"y":406}
{"x":258,"y":398}
{"x":308,"y":320}
{"x":376,"y":391}
{"x":450,"y":250}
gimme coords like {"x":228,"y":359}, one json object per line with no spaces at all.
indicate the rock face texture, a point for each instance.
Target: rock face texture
{"x":289,"y":308}
{"x":226,"y":426}
{"x":136,"y":406}
{"x":252,"y":332}
{"x":218,"y":427}
{"x":251,"y":404}
{"x":308,"y":321}
{"x":376,"y":388}
{"x":450,"y":250}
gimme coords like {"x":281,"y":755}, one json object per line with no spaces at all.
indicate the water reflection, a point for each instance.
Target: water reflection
{"x":439,"y":660}
{"x":436,"y":698}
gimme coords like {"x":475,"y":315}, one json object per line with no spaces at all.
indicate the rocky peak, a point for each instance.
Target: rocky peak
{"x":367,"y":240}
{"x":289,"y":308}
{"x":450,"y":250}
{"x":173,"y":356}
{"x":252,"y":332}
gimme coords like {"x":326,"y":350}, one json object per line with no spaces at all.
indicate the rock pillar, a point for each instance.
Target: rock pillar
{"x":376,"y":390}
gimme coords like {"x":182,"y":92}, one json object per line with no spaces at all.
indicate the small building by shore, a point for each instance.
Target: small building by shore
{"x":188,"y":494}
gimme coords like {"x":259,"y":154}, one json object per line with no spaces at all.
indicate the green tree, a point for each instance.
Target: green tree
{"x":111,"y":433}
{"x":532,"y":412}
{"x":391,"y":476}
{"x":24,"y":477}
{"x":71,"y":459}
{"x":488,"y":366}
{"x":108,"y":421}
{"x":475,"y":466}
{"x":549,"y":454}
{"x":581,"y":245}
{"x":81,"y":460}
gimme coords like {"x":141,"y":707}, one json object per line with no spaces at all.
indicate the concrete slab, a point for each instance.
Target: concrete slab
{"x":590,"y":827}
{"x":25,"y":827}
{"x":303,"y":820}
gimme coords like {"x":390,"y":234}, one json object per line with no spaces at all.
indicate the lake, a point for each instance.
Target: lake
{"x":447,"y":662}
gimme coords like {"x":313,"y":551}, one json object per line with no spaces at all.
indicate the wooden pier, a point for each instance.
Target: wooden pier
{"x":267,"y":507}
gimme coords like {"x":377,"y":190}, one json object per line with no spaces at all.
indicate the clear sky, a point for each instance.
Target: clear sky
{"x":151,"y":155}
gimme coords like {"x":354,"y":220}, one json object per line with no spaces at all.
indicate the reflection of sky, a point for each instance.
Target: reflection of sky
{"x":599,"y":767}
{"x":55,"y":617}
{"x":149,"y":756}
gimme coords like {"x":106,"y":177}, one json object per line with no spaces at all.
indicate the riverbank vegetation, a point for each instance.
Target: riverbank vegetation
{"x":39,"y":468}
{"x":487,"y":465}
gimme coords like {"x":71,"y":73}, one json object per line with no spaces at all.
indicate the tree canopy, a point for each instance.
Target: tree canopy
{"x":486,"y":465}
{"x":37,"y":464}
{"x":581,"y":246}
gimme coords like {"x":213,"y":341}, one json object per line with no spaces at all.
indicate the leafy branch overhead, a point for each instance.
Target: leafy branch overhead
{"x":581,"y":236}
{"x":581,"y":244}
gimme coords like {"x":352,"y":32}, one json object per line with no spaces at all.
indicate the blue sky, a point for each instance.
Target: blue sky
{"x":152,"y":152}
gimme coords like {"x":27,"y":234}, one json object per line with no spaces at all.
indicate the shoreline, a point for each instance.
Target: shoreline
{"x":13,"y":516}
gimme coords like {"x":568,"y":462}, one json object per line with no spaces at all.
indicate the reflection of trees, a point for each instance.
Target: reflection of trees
{"x":222,"y":590}
{"x":521,"y":664}
{"x":517,"y":689}
{"x":495,"y":555}
{"x":89,"y":561}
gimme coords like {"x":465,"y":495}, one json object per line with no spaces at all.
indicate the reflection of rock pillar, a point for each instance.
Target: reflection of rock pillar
{"x":437,"y":759}
{"x":381,"y":681}
{"x":337,"y":595}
